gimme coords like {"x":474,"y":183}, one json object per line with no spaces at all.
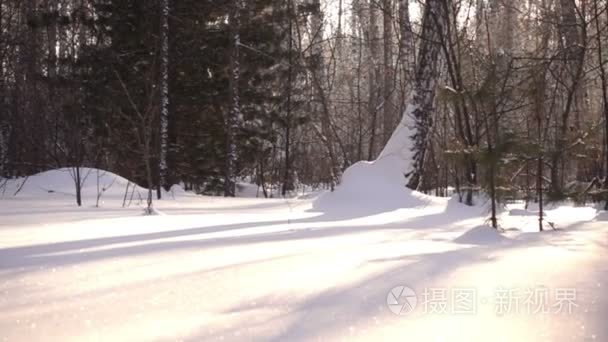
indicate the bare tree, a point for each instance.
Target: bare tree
{"x":604,"y":82}
{"x":142,"y":125}
{"x":573,"y":35}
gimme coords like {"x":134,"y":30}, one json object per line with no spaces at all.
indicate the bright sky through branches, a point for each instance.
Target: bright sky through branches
{"x":331,"y":10}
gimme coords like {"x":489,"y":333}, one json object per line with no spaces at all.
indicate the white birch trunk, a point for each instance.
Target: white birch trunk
{"x":164,"y":88}
{"x":232,"y":122}
{"x":401,"y":162}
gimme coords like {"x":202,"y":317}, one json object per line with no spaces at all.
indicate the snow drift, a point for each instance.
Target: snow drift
{"x":381,"y":183}
{"x":95,"y":184}
{"x":482,"y":235}
{"x":62,"y":182}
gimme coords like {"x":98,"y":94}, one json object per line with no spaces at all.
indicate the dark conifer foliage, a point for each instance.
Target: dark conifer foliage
{"x":507,"y":98}
{"x":95,"y":100}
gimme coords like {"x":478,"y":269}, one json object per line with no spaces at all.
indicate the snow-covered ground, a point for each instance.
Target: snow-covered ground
{"x":309,"y":268}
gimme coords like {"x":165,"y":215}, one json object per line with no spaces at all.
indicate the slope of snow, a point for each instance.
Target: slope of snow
{"x":482,"y":235}
{"x":288,"y":270}
{"x":381,"y":184}
{"x":558,"y":214}
{"x":62,"y":182}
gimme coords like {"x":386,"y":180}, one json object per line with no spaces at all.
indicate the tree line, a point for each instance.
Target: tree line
{"x":507,"y":97}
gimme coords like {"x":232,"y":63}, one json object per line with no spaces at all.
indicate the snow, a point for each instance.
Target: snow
{"x":379,"y":185}
{"x":482,"y":235}
{"x":561,"y":214}
{"x":62,"y":182}
{"x":295,"y":269}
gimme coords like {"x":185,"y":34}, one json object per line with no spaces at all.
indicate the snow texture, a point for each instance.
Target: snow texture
{"x":234,"y":269}
{"x":380,"y":184}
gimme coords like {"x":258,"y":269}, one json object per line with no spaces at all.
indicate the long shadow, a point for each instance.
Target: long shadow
{"x":15,"y":257}
{"x":359,"y":301}
{"x":66,"y":253}
{"x":35,"y":293}
{"x":65,"y":208}
{"x":339,"y":209}
{"x":190,"y":207}
{"x":603,"y":216}
{"x":332,"y":312}
{"x":46,"y":255}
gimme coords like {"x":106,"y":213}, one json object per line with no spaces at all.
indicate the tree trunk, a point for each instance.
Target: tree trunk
{"x":374,"y":76}
{"x":387,"y":105}
{"x":574,"y":54}
{"x":287,"y":183}
{"x":540,"y":85}
{"x":407,"y":55}
{"x":427,"y":73}
{"x":317,"y":73}
{"x":78,"y":184}
{"x":604,"y":80}
{"x":164,"y":96}
{"x":232,"y":121}
{"x":5,"y":122}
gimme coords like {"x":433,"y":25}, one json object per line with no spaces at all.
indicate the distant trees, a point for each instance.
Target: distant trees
{"x":508,"y":97}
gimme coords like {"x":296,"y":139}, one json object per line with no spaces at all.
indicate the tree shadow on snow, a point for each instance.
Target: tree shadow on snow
{"x":333,"y":312}
{"x":74,"y":252}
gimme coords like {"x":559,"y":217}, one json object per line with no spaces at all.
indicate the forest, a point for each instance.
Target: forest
{"x":304,"y":170}
{"x":507,"y":98}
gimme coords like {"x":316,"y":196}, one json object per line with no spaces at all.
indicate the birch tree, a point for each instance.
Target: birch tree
{"x":425,"y":83}
{"x":164,"y":95}
{"x":234,"y":115}
{"x":387,"y":103}
{"x":572,"y":35}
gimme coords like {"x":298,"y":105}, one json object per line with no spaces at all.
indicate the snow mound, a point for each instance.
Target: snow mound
{"x":556,"y":215}
{"x":482,"y":235}
{"x":380,"y":184}
{"x":248,"y":190}
{"x":61,"y":182}
{"x":522,"y":212}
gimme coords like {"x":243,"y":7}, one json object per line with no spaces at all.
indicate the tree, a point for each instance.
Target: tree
{"x":287,"y":178}
{"x":164,"y":89}
{"x":387,"y":98}
{"x":425,"y":83}
{"x":374,"y":91}
{"x":232,"y":120}
{"x":604,"y":86}
{"x":573,"y":39}
{"x":506,"y":97}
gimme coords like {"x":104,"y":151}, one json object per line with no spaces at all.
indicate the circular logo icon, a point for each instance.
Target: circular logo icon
{"x":401,"y":300}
